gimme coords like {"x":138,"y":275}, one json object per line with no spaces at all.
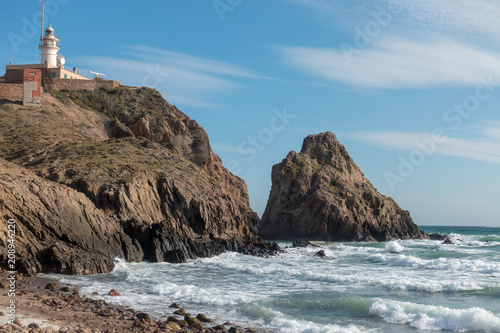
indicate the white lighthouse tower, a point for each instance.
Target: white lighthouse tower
{"x":50,"y":47}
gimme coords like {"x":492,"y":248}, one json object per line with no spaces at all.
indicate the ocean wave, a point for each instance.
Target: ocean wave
{"x":397,"y":282}
{"x":284,"y":325}
{"x":431,"y":286}
{"x":435,"y":318}
{"x":392,"y":282}
{"x":490,"y":238}
{"x":394,"y":247}
{"x":451,"y":264}
{"x":198,"y":294}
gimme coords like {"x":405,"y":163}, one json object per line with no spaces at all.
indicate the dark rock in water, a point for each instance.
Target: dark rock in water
{"x":65,"y":289}
{"x":171,"y":318}
{"x":193,"y":322}
{"x":146,"y":186}
{"x":236,"y":330}
{"x":448,"y":240}
{"x":203,"y":318}
{"x":220,"y":328}
{"x":183,"y":323}
{"x":113,"y":292}
{"x":180,"y":312}
{"x":321,"y":254}
{"x":437,"y":236}
{"x":321,"y":194}
{"x":174,"y":306}
{"x":302,"y":242}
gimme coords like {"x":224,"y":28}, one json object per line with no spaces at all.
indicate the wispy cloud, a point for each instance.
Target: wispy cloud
{"x":485,"y":146}
{"x":221,"y":146}
{"x":476,"y":19}
{"x":182,"y":78}
{"x":467,"y":20}
{"x":397,"y":63}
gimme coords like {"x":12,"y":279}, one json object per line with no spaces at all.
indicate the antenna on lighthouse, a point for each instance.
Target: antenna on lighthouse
{"x":11,"y":57}
{"x":43,"y":16}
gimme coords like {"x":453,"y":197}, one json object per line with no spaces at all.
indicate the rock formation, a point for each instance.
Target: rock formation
{"x":321,"y":194}
{"x":93,"y":176}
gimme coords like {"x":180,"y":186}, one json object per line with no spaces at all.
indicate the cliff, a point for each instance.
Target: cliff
{"x":122,"y":173}
{"x":321,"y":194}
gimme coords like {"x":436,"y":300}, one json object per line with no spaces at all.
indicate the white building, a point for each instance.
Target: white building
{"x":50,"y":48}
{"x":51,"y":65}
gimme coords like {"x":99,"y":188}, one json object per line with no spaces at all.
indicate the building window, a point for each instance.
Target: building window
{"x":65,"y":76}
{"x":52,"y":75}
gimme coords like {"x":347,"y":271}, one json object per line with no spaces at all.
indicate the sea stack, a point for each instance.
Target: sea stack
{"x":321,"y":194}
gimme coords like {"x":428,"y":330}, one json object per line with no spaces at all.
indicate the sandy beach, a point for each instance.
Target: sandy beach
{"x":43,"y":305}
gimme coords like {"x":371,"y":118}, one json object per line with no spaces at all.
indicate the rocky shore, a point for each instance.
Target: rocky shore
{"x":91,"y":176}
{"x":46,"y":306}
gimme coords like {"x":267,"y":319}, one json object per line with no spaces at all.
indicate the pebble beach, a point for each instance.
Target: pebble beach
{"x":44,"y":305}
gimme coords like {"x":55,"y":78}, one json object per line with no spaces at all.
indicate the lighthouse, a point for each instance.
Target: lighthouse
{"x":50,"y":47}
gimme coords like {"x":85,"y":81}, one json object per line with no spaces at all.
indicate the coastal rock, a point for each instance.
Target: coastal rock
{"x":193,"y":322}
{"x":203,"y":318}
{"x":321,"y":254}
{"x":436,"y":236}
{"x":448,"y":240}
{"x":302,"y":242}
{"x":220,"y":328}
{"x":113,"y":292}
{"x":321,"y":194}
{"x":51,"y":286}
{"x":180,"y":312}
{"x":85,"y":190}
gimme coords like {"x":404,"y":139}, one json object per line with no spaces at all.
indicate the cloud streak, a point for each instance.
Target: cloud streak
{"x":484,"y":147}
{"x":397,"y":64}
{"x":464,"y":19}
{"x":181,"y":78}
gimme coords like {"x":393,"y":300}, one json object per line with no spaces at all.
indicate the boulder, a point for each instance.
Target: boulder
{"x":113,"y":292}
{"x":203,"y":318}
{"x":51,"y":286}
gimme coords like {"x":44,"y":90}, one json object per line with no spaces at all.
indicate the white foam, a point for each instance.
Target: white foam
{"x":435,"y":318}
{"x":451,"y":264}
{"x":287,"y":324}
{"x":411,"y":284}
{"x":120,"y":265}
{"x":394,"y":247}
{"x":199,"y":295}
{"x":295,"y":326}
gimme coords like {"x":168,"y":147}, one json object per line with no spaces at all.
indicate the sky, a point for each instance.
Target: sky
{"x":410,"y":87}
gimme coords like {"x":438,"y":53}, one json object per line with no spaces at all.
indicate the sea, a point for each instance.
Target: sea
{"x":393,"y":287}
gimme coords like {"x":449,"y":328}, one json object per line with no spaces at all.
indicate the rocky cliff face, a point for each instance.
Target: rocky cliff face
{"x":321,"y":194}
{"x":93,"y":176}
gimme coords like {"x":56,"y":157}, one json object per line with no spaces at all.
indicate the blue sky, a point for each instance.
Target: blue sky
{"x":410,"y":87}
